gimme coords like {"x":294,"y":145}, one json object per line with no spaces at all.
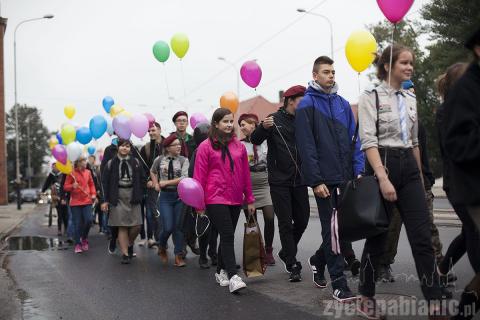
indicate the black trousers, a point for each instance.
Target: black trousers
{"x":292,"y":208}
{"x":208,"y":240}
{"x":224,"y":218}
{"x":411,"y":202}
{"x":62,"y":217}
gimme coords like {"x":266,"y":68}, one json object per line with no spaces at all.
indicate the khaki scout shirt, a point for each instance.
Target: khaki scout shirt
{"x":390,"y":133}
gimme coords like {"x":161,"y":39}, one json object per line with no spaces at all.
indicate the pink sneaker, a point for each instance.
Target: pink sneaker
{"x":84,"y":244}
{"x":78,"y":248}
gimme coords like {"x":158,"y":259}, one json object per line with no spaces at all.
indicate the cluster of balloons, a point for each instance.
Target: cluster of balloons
{"x":179,"y":43}
{"x":71,"y":141}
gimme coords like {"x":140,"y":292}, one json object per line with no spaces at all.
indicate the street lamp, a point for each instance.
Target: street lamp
{"x":329,"y":22}
{"x":17,"y":150}
{"x":236,"y":73}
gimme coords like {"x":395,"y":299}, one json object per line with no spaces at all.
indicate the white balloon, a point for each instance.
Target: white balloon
{"x":74,"y":151}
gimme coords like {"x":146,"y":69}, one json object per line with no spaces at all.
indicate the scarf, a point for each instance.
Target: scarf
{"x":223,"y":146}
{"x":183,"y":142}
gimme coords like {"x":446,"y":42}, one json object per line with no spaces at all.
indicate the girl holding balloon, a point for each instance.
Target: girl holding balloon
{"x":389,"y":134}
{"x":167,"y":171}
{"x":82,"y":195}
{"x":222,"y":169}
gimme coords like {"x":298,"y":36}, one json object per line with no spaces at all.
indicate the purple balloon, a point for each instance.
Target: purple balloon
{"x":196,"y":119}
{"x":191,"y":193}
{"x":251,"y":73}
{"x":121,"y":125}
{"x":139,"y":125}
{"x":60,"y":153}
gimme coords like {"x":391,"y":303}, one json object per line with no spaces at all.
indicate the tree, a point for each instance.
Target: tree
{"x":37,"y":144}
{"x":407,"y":34}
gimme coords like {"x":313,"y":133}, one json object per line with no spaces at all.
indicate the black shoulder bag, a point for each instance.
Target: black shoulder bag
{"x":361,"y":210}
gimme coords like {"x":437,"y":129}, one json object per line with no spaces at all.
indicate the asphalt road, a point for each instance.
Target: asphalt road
{"x":57,"y":284}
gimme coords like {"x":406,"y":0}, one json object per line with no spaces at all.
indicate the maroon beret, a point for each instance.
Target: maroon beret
{"x":169,"y":140}
{"x":246,"y":116}
{"x":295,"y":91}
{"x":178,"y":114}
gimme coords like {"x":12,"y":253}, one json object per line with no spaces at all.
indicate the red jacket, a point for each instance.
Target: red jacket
{"x":82,"y":195}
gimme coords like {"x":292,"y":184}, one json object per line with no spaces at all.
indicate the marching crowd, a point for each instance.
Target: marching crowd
{"x":314,"y":140}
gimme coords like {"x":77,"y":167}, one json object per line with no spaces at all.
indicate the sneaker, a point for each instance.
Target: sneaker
{"x":84,"y":244}
{"x":150,"y":243}
{"x":112,"y":246}
{"x":318,"y":275}
{"x":368,"y":308}
{"x":78,"y":248}
{"x":131,"y":254}
{"x":179,"y":262}
{"x":343,"y":295}
{"x":203,"y":262}
{"x":222,"y":278}
{"x":269,"y":259}
{"x":141,"y":243}
{"x":162,"y":252}
{"x":295,"y":275}
{"x":236,"y":284}
{"x":125,"y":259}
{"x":385,"y":273}
{"x":353,"y":265}
{"x":284,"y":261}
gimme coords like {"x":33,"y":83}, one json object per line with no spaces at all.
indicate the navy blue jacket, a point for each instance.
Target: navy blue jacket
{"x":324,"y":130}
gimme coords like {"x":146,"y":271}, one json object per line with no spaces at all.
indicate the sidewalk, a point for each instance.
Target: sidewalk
{"x":10,"y":217}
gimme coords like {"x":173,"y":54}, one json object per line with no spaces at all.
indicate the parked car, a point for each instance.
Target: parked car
{"x":29,"y":195}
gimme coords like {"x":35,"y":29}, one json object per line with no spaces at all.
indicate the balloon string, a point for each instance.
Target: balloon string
{"x":358,"y":83}
{"x":166,"y":80}
{"x":391,"y":56}
{"x":183,"y":78}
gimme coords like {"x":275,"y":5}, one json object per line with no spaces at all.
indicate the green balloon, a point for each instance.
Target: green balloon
{"x":161,"y":51}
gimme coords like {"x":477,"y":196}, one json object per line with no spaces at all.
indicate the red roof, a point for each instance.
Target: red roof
{"x":257,"y":105}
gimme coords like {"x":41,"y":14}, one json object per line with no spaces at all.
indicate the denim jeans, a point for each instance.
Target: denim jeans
{"x":170,"y":207}
{"x":82,"y":221}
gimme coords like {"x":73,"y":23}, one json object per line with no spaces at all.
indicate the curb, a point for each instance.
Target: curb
{"x":15,"y":225}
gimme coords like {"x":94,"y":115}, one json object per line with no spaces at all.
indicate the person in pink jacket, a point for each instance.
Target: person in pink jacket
{"x":221,"y":167}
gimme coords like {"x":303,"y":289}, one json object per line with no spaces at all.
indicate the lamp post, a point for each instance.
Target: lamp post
{"x":329,"y":23}
{"x":17,"y":150}
{"x":236,"y":73}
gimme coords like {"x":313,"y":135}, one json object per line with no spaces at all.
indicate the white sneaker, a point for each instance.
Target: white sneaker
{"x":150,"y":243}
{"x":236,"y":284}
{"x":222,"y":278}
{"x":141,"y":243}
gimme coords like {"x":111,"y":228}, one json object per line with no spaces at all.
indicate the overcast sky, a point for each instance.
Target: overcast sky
{"x":94,"y":48}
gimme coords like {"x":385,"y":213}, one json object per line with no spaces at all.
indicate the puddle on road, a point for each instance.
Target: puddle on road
{"x":36,"y":243}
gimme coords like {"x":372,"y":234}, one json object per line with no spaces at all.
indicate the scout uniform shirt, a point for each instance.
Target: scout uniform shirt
{"x":390,"y":132}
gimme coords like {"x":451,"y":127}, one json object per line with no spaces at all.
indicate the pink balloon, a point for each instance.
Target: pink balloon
{"x":394,"y":10}
{"x":251,"y":73}
{"x":60,"y":153}
{"x":151,"y":119}
{"x":121,"y":125}
{"x":191,"y":193}
{"x":196,"y":119}
{"x":139,"y":125}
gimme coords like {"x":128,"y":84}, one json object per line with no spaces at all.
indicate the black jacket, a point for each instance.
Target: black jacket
{"x":150,"y":151}
{"x":110,"y":179}
{"x":282,"y":170}
{"x":109,"y":153}
{"x":461,"y":125}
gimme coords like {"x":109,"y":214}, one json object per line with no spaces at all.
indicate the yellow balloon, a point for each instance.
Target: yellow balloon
{"x":64,"y":168}
{"x":180,"y":44}
{"x":52,"y":142}
{"x":69,"y":111}
{"x":360,"y":50}
{"x":115,"y":110}
{"x":68,"y":134}
{"x":126,"y":114}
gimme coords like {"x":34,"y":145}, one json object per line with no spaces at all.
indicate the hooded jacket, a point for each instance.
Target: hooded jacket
{"x":82,"y":195}
{"x":220,"y":183}
{"x":324,"y":130}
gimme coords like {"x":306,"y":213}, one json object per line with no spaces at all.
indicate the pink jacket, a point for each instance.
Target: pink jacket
{"x":220,"y":184}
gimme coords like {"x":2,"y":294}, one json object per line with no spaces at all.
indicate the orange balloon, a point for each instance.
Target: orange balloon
{"x":229,"y":100}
